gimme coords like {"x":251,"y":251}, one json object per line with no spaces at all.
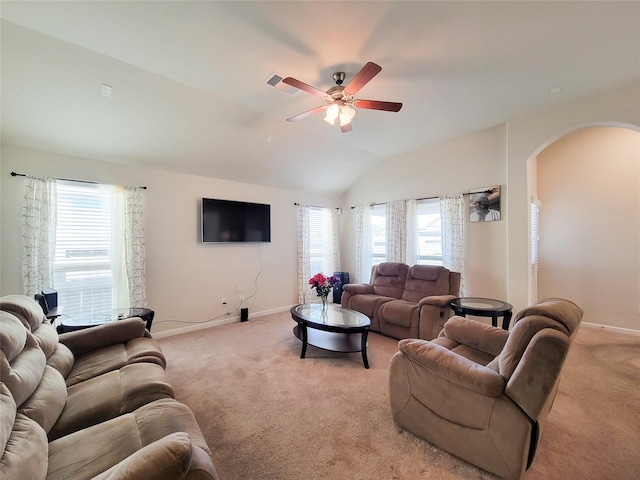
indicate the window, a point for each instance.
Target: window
{"x":429,"y":232}
{"x":320,"y":244}
{"x":82,"y":261}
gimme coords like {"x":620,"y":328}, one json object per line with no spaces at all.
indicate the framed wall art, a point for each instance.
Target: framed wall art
{"x":484,"y":204}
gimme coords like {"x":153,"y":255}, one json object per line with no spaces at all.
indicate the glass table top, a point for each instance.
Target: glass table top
{"x":479,"y":303}
{"x":334,"y":315}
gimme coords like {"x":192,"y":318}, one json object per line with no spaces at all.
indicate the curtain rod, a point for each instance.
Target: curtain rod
{"x":430,"y":198}
{"x":14,"y":174}
{"x":316,"y":206}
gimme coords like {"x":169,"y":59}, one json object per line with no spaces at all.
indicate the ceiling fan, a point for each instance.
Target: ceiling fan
{"x":339,"y":99}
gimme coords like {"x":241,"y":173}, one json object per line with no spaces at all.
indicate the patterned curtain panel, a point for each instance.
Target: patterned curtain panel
{"x":396,"y":231}
{"x":304,"y":261}
{"x":452,"y":214}
{"x":134,"y":246}
{"x":38,"y":233}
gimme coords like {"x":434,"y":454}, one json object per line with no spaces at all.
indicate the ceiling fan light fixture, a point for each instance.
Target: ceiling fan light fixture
{"x":346,"y":115}
{"x":332,"y":113}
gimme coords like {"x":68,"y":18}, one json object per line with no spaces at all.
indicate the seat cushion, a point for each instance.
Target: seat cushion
{"x":401,"y":313}
{"x":113,"y":357}
{"x":111,"y":394}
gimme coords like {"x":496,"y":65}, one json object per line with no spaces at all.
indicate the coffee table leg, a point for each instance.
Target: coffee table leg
{"x":363,"y":345}
{"x":303,"y":330}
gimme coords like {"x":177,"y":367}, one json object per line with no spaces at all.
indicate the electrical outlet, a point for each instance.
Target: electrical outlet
{"x":224,"y":300}
{"x":241,"y":298}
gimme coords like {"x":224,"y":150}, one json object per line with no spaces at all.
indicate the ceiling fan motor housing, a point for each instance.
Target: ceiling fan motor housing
{"x":338,"y":77}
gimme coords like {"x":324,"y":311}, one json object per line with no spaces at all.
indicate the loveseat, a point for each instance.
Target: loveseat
{"x":403,"y":301}
{"x":482,"y":393}
{"x":92,"y":403}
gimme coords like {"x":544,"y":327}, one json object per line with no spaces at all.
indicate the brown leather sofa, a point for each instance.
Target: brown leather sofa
{"x":403,"y":301}
{"x":482,"y":393}
{"x":92,"y":403}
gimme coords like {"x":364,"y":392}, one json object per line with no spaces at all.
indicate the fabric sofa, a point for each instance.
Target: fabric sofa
{"x":482,"y":393}
{"x":92,"y":403}
{"x":403,"y":301}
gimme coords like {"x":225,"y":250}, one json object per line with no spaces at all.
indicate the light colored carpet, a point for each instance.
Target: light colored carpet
{"x":267,"y":414}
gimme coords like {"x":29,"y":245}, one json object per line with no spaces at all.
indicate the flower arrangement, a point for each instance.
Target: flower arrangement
{"x":322,"y":284}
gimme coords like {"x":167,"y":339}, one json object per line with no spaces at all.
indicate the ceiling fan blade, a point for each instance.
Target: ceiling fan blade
{"x":378,"y":105}
{"x":306,"y":114}
{"x":346,"y":128}
{"x":365,"y":74}
{"x":303,"y":86}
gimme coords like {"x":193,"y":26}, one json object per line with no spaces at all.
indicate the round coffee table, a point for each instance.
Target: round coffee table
{"x":335,"y":329}
{"x":484,"y":307}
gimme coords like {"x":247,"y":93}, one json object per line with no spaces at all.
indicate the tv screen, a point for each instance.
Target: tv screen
{"x":227,"y":221}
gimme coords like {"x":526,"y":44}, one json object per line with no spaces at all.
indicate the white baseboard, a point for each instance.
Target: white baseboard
{"x":215,"y":323}
{"x":628,"y":331}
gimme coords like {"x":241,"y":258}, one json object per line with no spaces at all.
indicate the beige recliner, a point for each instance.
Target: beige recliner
{"x":482,"y":393}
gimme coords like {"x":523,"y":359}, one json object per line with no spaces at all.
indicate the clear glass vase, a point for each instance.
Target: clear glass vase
{"x":324,"y":302}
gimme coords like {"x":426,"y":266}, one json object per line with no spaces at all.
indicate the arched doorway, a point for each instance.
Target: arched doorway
{"x":588,"y":184}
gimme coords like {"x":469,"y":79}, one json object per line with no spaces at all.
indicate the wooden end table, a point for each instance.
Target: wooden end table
{"x":484,"y":307}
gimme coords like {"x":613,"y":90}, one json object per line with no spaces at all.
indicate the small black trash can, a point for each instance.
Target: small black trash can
{"x":337,"y":289}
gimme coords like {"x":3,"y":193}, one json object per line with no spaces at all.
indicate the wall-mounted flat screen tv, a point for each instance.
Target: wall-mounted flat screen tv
{"x":228,"y":221}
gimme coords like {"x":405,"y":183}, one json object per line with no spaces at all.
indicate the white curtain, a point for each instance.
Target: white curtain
{"x":363,"y":244}
{"x":396,"y":231}
{"x":304,"y":254}
{"x":134,"y":246}
{"x":452,"y":213}
{"x":38,"y":233}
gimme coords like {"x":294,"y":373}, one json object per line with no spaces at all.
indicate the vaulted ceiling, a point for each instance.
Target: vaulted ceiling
{"x":189,"y":88}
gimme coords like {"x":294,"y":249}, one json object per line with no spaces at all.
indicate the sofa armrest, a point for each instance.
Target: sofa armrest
{"x":453,"y":368}
{"x":358,"y":288}
{"x":86,"y":340}
{"x":167,"y":458}
{"x":437,"y":300}
{"x":480,"y":336}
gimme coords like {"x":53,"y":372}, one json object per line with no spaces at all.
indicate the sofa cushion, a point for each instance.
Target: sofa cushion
{"x":112,"y":394}
{"x":13,"y":336}
{"x":400,"y":312}
{"x":113,"y":357}
{"x":424,"y":281}
{"x":48,"y":401}
{"x":30,"y":313}
{"x":519,"y":339}
{"x":62,"y":360}
{"x":23,"y":443}
{"x":388,"y":279}
{"x":22,"y":369}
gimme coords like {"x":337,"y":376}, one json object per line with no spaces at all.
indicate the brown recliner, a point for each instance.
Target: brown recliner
{"x":482,"y":393}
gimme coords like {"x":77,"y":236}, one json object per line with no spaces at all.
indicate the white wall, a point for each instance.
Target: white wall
{"x":589,"y":186}
{"x":528,"y":136}
{"x":500,"y":155}
{"x":185,"y":279}
{"x":472,"y":161}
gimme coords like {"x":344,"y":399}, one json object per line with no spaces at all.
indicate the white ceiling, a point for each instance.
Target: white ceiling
{"x":189,"y":90}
